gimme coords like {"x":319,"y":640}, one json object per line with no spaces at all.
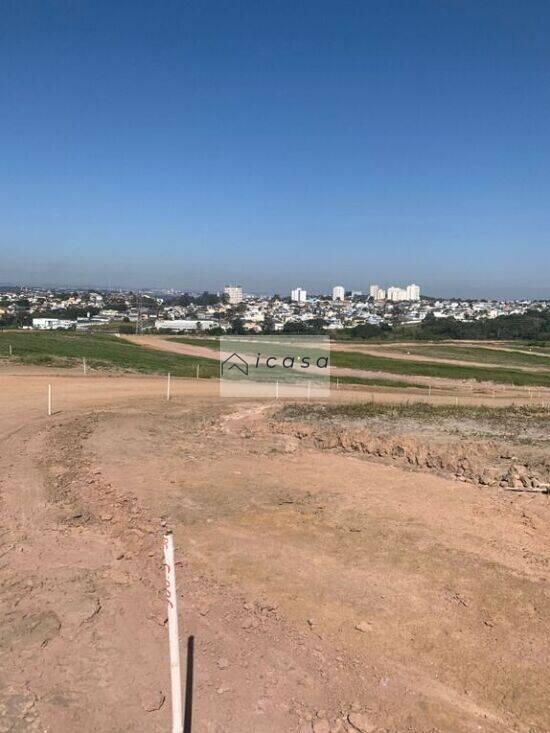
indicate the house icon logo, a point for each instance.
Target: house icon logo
{"x":234,"y":361}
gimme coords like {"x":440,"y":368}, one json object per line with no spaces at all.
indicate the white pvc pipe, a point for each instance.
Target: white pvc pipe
{"x":168,"y":387}
{"x":173,"y":634}
{"x":277,"y":390}
{"x":84,"y":364}
{"x":49,"y":399}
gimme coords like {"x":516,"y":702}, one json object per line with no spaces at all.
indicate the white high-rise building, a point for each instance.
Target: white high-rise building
{"x":377,"y":293}
{"x":396,"y":294}
{"x":338,"y":292}
{"x":234,"y":294}
{"x":411,"y":292}
{"x":298,"y":295}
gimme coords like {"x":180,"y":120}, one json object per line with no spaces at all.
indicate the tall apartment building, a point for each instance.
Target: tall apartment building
{"x":396,"y":294}
{"x":298,"y":295}
{"x":338,"y":292}
{"x":411,"y":292}
{"x":377,"y":293}
{"x":234,"y":294}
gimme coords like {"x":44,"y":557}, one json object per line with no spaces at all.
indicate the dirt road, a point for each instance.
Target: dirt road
{"x":323,"y":592}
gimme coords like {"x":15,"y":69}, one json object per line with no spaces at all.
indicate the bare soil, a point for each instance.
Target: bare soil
{"x":326,"y":589}
{"x":506,"y":448}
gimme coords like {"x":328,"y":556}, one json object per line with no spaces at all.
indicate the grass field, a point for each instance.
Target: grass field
{"x":102,"y":351}
{"x":477,"y":354}
{"x":368,"y":362}
{"x":354,"y":360}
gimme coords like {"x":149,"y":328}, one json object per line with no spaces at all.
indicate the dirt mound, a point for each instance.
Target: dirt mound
{"x":481,"y":462}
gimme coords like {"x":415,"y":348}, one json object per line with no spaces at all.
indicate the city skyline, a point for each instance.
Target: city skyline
{"x":284,"y":291}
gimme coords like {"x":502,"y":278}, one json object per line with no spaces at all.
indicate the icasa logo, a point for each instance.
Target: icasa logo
{"x":235,"y":361}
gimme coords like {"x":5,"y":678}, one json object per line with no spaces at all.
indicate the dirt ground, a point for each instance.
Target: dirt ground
{"x":326,"y":588}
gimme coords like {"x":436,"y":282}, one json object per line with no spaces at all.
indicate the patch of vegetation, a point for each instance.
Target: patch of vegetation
{"x":368,"y":362}
{"x":377,"y":382}
{"x":415,"y":410}
{"x":475,"y":353}
{"x":531,"y":325}
{"x":102,"y":351}
{"x":355,"y":360}
{"x":208,"y":343}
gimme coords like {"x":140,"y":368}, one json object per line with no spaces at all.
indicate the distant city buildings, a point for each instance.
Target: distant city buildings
{"x":395,"y":294}
{"x":234,"y":294}
{"x":298,"y":295}
{"x":53,"y":324}
{"x":377,"y":293}
{"x":180,"y":311}
{"x":185,"y":325}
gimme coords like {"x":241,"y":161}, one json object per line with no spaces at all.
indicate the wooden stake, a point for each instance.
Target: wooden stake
{"x":173,"y":633}
{"x":198,"y":368}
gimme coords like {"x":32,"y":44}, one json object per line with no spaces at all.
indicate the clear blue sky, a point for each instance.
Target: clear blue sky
{"x":189,"y":144}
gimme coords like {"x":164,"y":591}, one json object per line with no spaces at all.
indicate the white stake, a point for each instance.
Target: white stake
{"x":337,"y":383}
{"x":173,"y":634}
{"x":49,"y":399}
{"x":198,"y":367}
{"x":168,"y":387}
{"x":308,"y":391}
{"x":430,"y":391}
{"x":277,"y":390}
{"x":84,"y":364}
{"x":11,"y":351}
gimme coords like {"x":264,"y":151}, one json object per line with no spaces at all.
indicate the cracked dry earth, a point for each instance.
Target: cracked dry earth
{"x":324,"y":592}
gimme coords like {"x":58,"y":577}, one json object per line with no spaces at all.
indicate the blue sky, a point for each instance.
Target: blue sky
{"x":189,"y":144}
